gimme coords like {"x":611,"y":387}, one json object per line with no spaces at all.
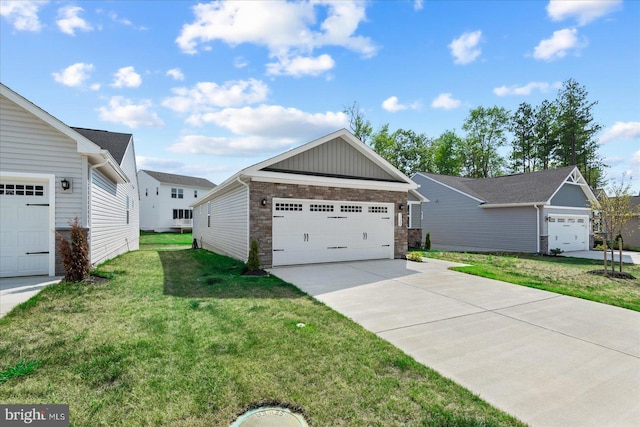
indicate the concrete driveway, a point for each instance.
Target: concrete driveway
{"x":16,"y":290}
{"x":627,"y":256}
{"x":548,"y":359}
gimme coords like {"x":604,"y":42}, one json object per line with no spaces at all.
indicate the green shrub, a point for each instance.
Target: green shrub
{"x":253,"y":263}
{"x":414,"y":256}
{"x":75,"y":255}
{"x":556,"y":251}
{"x":427,"y":242}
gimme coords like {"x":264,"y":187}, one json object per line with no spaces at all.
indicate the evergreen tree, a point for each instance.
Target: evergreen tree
{"x":545,"y":131}
{"x":523,"y":154}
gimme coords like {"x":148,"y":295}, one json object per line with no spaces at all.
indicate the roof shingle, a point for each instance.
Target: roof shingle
{"x":171,"y":178}
{"x":114,"y":142}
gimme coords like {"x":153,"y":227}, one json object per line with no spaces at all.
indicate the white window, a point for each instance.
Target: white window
{"x":177,"y":193}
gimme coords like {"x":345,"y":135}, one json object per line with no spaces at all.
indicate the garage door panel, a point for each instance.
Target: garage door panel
{"x":24,"y":229}
{"x":568,"y":232}
{"x":313,"y":231}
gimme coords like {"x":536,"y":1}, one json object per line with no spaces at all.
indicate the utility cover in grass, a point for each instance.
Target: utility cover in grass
{"x":270,"y":416}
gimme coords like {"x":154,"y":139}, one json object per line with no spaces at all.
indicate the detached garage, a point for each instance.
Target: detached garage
{"x":332,"y":199}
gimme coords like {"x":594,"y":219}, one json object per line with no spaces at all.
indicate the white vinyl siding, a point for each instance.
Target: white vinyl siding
{"x":228,"y":233}
{"x":28,"y":144}
{"x":110,"y":233}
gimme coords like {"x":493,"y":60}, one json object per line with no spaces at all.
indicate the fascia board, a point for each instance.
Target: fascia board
{"x":265,"y":176}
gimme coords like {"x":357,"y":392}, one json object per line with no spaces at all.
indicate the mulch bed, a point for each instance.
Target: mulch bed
{"x":616,"y":274}
{"x":255,"y":273}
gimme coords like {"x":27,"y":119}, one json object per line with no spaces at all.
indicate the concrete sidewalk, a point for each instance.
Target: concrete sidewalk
{"x":548,"y":359}
{"x":16,"y":290}
{"x":627,"y":256}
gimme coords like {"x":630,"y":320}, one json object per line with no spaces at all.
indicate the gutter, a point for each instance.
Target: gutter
{"x":248,"y":213}
{"x":91,"y":168}
{"x":510,"y":205}
{"x":537,"y":228}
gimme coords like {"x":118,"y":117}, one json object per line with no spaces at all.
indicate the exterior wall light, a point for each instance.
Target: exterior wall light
{"x":400,"y":206}
{"x":263,"y":202}
{"x":65,"y":184}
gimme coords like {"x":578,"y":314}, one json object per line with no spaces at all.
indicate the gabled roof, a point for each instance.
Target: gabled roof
{"x":263,"y":171}
{"x":95,"y":153}
{"x":533,"y":188}
{"x":116,"y":143}
{"x":171,"y":178}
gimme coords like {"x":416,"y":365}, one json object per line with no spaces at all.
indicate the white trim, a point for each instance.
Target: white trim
{"x":450,"y":187}
{"x":566,"y":207}
{"x":287,"y":178}
{"x":51,"y":180}
{"x":567,"y":216}
{"x":511,"y":205}
{"x":575,"y":177}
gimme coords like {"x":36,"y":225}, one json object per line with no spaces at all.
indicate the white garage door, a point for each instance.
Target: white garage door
{"x":312,"y":231}
{"x":24,"y":229}
{"x":569,"y":232}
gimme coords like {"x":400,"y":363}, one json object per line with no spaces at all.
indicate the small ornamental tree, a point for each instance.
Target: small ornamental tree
{"x":75,"y":254}
{"x":427,"y":242}
{"x":614,"y":211}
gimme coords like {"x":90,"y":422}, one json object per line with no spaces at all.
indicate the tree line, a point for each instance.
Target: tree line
{"x":556,"y":133}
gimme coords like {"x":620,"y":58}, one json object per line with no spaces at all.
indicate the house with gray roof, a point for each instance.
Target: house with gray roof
{"x":531,"y":212}
{"x":165,"y":200}
{"x":50,"y":174}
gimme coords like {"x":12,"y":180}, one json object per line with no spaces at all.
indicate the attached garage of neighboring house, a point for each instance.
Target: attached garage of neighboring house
{"x":50,"y":174}
{"x":332,"y":199}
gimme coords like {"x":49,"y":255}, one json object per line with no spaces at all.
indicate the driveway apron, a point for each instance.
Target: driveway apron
{"x":548,"y":359}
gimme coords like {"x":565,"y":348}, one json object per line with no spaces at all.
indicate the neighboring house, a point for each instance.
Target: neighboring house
{"x":631,"y":230}
{"x":530,"y":212}
{"x":51,"y":173}
{"x":166,"y":199}
{"x":332,"y":199}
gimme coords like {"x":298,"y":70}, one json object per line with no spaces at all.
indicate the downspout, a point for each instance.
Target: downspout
{"x":248,"y":214}
{"x":537,"y":228}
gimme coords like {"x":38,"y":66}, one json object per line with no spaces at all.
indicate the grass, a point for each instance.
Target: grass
{"x":164,"y":241}
{"x":567,"y":276}
{"x":180,"y":338}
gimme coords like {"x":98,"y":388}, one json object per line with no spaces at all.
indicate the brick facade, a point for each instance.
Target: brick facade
{"x":415,"y":237}
{"x":260,"y":217}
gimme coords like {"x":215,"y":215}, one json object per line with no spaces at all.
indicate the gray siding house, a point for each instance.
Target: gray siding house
{"x":51,"y":173}
{"x":532,"y":212}
{"x":332,"y":199}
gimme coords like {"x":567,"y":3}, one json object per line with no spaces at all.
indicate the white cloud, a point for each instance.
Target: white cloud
{"x":127,"y":77}
{"x":22,"y":14}
{"x":300,"y":66}
{"x":286,"y":29}
{"x":465,"y":48}
{"x":176,"y":73}
{"x":74,"y":75}
{"x":274,"y":121}
{"x":446,"y":102}
{"x":417,"y":5}
{"x":558,"y":45}
{"x":584,"y":11}
{"x":621,"y":131}
{"x":205,"y":96}
{"x":240,"y":62}
{"x":68,"y":20}
{"x":392,"y":105}
{"x":95,"y":86}
{"x":124,"y":111}
{"x":124,"y":21}
{"x":526,"y":89}
{"x":234,"y":146}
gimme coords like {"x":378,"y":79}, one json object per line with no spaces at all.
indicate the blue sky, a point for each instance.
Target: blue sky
{"x":210,"y":88}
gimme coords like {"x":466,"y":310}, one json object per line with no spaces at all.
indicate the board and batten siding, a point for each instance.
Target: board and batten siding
{"x":30,"y":145}
{"x":335,"y":157}
{"x":457,"y":222}
{"x":229,"y":230}
{"x":110,"y":234}
{"x":570,"y":195}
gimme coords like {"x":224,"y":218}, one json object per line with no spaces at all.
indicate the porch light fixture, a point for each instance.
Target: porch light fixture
{"x":400,"y":206}
{"x":263,"y":202}
{"x":65,"y":184}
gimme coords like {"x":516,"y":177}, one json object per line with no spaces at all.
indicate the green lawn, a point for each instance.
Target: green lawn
{"x":562,"y":275}
{"x":151,"y":240}
{"x":181,"y":338}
